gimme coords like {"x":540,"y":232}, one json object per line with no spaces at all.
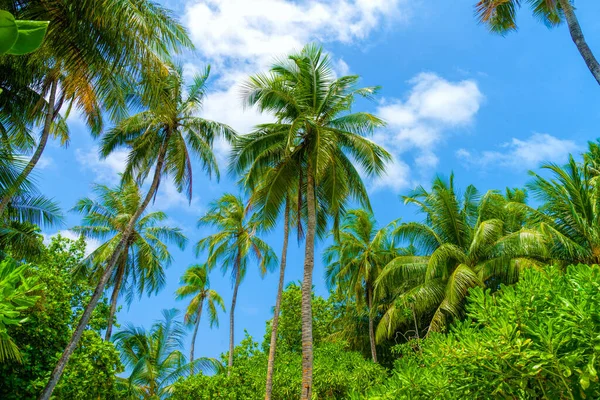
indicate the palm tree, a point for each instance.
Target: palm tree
{"x":311,"y":145}
{"x":355,"y":262}
{"x":235,"y":242}
{"x":90,"y":61}
{"x":160,"y":138}
{"x":468,"y":241}
{"x":141,"y":265}
{"x":27,"y":208}
{"x":155,"y":357}
{"x":500,"y":17}
{"x":569,"y":216}
{"x":196,"y":283}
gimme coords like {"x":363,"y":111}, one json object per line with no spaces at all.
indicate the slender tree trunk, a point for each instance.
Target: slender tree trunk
{"x":309,"y":263}
{"x":371,"y":324}
{"x":115,"y":296}
{"x":10,"y":192}
{"x":232,"y":311}
{"x":87,"y":313}
{"x":286,"y":227}
{"x":198,"y":314}
{"x":579,"y":40}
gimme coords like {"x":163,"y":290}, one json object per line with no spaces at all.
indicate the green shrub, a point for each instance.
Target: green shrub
{"x":538,"y":339}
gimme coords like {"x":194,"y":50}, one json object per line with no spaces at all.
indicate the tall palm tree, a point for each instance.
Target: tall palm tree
{"x":89,"y":61}
{"x":140,"y":269}
{"x":354,"y":263}
{"x":312,"y":144}
{"x":500,"y":16}
{"x":155,"y":357}
{"x":195,"y":283}
{"x":467,"y":241}
{"x":232,"y":247}
{"x":162,"y":138}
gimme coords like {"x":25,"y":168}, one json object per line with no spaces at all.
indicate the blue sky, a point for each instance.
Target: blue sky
{"x":456,"y":98}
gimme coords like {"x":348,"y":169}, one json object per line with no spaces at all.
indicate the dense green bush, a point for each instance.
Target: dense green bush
{"x":91,"y":371}
{"x":538,"y":339}
{"x":337,"y":373}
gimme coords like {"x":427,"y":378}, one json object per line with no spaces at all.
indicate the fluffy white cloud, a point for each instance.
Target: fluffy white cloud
{"x":433,"y":107}
{"x":168,"y":198}
{"x":254,"y":31}
{"x":397,"y":177}
{"x":522,"y":154}
{"x":107,"y":169}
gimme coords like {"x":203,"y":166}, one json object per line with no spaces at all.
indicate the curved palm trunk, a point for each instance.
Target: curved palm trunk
{"x":271,"y":362}
{"x":87,"y":313}
{"x":231,"y":313}
{"x":198,"y":314}
{"x":38,"y":151}
{"x":115,"y":297}
{"x":309,"y":263}
{"x":371,"y":323}
{"x":579,"y":40}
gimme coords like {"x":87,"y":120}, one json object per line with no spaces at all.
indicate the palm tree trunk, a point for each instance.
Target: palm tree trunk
{"x":309,"y":263}
{"x":87,"y":313}
{"x":271,"y":362}
{"x":579,"y":40}
{"x":38,"y":151}
{"x":198,"y":314}
{"x":115,"y":297}
{"x":231,"y":312}
{"x":371,"y":324}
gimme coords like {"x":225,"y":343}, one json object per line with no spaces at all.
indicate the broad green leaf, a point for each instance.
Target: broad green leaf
{"x":8,"y":31}
{"x":30,"y":37}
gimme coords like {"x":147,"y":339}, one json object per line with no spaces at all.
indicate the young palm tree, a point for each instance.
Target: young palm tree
{"x":155,"y":358}
{"x":196,"y":283}
{"x":355,"y":262}
{"x":89,"y":61}
{"x":162,"y":138}
{"x":468,"y":242}
{"x":500,"y":16}
{"x":570,"y":213}
{"x":310,"y":146}
{"x":235,"y":242}
{"x":140,"y":269}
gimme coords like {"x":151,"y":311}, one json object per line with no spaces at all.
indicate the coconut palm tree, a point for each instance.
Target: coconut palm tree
{"x":232,"y":247}
{"x":195,"y":283}
{"x":89,"y":61}
{"x":155,"y":357}
{"x":569,"y":216}
{"x":468,"y":241}
{"x":140,"y":268}
{"x":354,"y":263}
{"x":500,"y":17}
{"x":160,"y":138}
{"x":315,"y":144}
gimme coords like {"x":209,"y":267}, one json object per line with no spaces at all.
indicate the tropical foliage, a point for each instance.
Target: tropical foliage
{"x":485,"y":295}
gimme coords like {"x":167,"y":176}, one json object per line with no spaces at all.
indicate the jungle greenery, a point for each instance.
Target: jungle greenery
{"x":488,"y":295}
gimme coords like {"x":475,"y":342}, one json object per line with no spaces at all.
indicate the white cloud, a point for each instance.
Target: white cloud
{"x":522,"y":154}
{"x":106,"y":170}
{"x":433,"y":107}
{"x":396,"y":177}
{"x":90,"y":244}
{"x":44,"y":162}
{"x":169,"y":198}
{"x":241,"y":37}
{"x":254,"y":31}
